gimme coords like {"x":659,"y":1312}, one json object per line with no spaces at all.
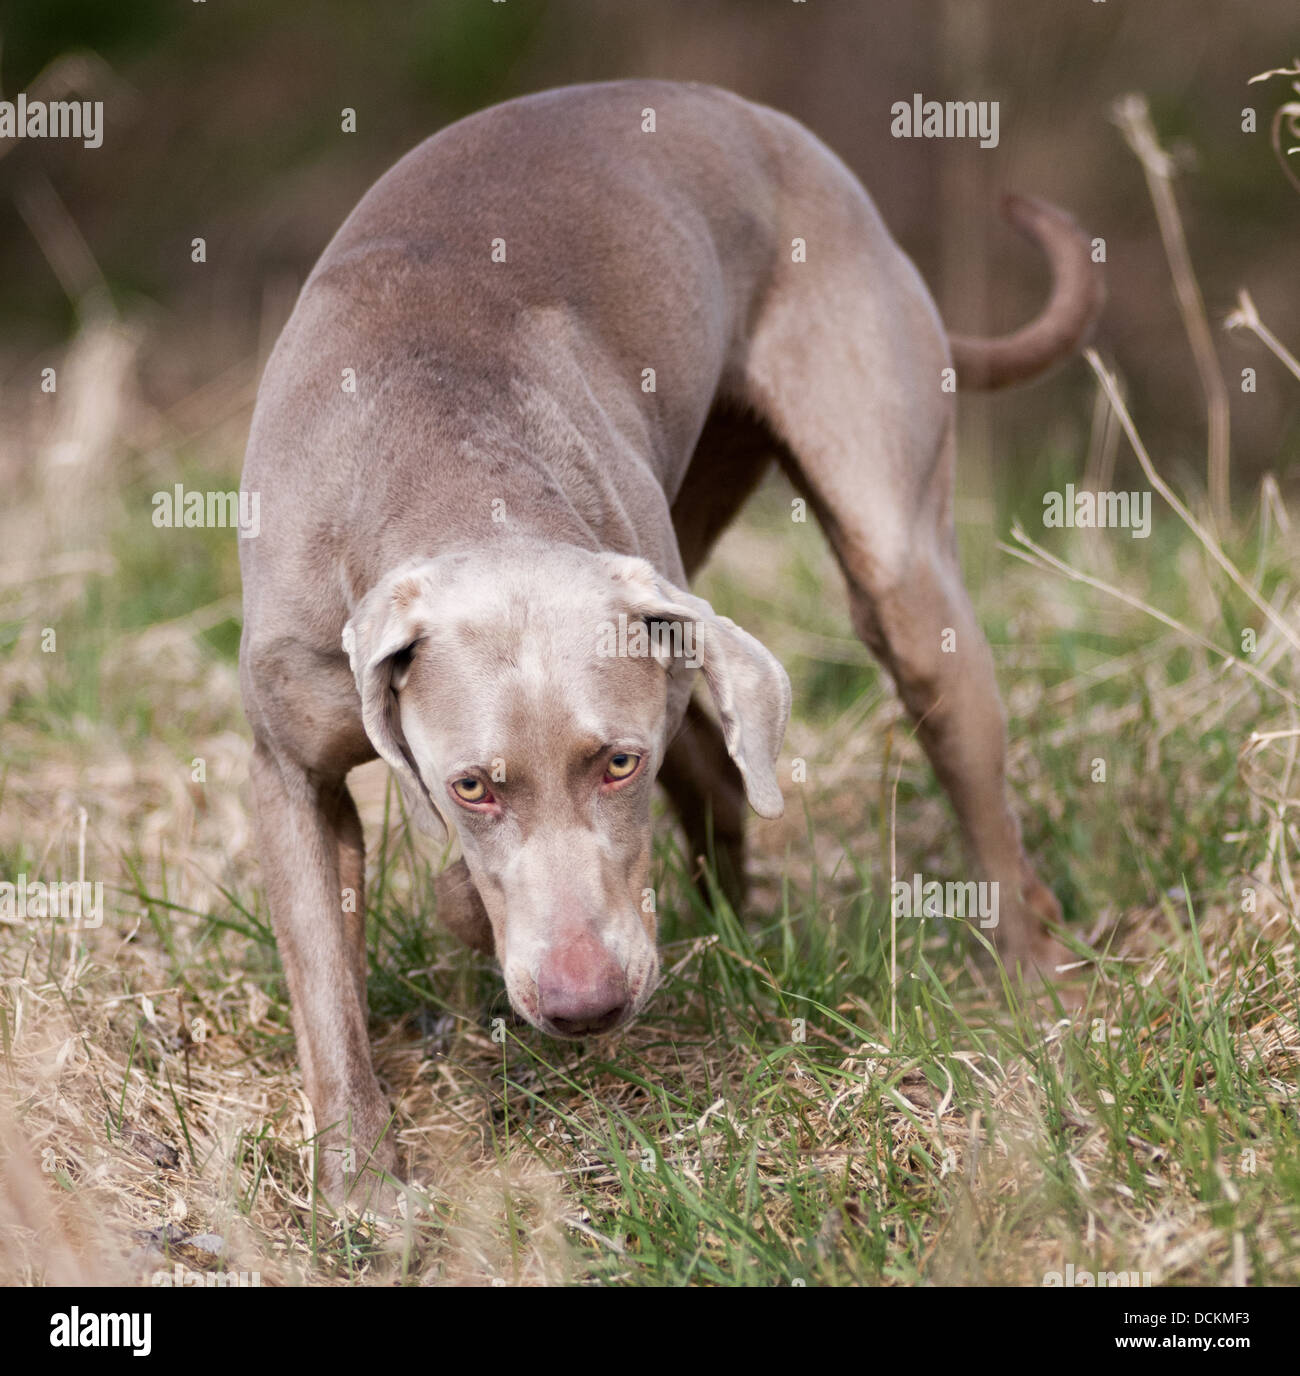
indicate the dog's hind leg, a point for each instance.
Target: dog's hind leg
{"x":847,"y":364}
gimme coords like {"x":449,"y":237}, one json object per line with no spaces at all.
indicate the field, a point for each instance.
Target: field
{"x":818,"y":1094}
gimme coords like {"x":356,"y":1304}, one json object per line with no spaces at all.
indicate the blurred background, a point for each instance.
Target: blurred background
{"x":223,"y":121}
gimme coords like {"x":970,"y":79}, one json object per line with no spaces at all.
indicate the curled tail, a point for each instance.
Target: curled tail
{"x":1071,"y":311}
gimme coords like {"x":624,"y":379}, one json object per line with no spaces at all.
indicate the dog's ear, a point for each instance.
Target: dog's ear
{"x":750,"y":689}
{"x":378,"y":639}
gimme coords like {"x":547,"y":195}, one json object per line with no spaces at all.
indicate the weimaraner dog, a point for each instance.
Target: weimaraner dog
{"x":529,"y":382}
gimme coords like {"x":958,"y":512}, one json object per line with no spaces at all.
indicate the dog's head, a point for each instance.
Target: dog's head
{"x":525,"y":707}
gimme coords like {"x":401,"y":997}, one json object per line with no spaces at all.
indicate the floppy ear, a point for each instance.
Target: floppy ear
{"x":750,"y":689}
{"x":386,"y":624}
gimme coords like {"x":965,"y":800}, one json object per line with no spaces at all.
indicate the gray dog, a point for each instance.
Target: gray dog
{"x":529,"y":382}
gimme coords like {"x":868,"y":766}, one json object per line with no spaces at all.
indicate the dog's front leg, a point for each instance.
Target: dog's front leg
{"x":708,"y":794}
{"x":461,"y":910}
{"x":307,"y":825}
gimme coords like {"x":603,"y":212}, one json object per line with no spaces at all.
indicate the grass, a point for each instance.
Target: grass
{"x":811,"y":1097}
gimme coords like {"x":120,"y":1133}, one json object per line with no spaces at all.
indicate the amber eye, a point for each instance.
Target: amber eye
{"x":470,"y":790}
{"x":621,"y":766}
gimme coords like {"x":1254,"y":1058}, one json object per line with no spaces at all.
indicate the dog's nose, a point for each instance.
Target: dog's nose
{"x":581,"y":988}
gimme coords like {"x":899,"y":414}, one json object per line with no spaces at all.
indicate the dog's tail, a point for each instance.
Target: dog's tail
{"x":1071,"y":312}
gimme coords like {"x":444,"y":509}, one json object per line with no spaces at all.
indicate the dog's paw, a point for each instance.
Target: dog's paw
{"x":1038,"y":962}
{"x":1041,"y":902}
{"x":351,"y":1187}
{"x":354,"y":1168}
{"x":1029,"y":949}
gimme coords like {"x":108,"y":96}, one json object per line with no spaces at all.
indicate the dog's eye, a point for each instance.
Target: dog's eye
{"x":621,"y":766}
{"x":469,"y":790}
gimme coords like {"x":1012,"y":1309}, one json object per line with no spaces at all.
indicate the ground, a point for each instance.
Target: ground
{"x":816,"y":1094}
